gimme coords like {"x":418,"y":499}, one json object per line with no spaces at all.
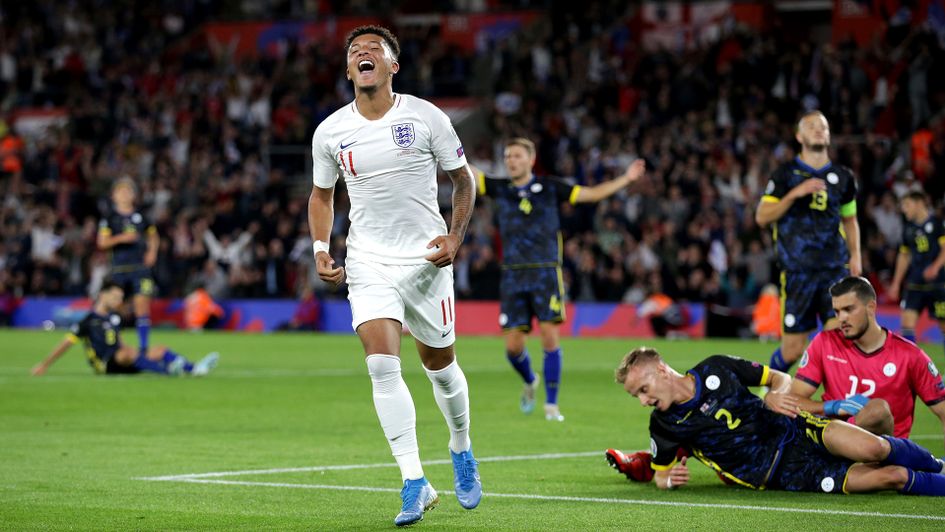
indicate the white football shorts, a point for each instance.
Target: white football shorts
{"x":418,"y":295}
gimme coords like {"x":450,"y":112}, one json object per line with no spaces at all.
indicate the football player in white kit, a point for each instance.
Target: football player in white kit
{"x":387,"y":147}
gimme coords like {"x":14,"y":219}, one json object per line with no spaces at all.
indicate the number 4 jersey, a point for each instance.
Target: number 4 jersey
{"x":897,"y":372}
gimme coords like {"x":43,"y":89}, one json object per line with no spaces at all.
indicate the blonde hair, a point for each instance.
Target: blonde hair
{"x":640,"y":355}
{"x":524,"y":143}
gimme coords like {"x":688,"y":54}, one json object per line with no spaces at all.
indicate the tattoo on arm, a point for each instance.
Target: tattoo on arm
{"x":464,"y":198}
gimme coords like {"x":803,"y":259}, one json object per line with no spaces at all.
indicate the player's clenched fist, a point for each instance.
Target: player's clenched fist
{"x":325,"y":267}
{"x":444,"y":250}
{"x":808,"y":187}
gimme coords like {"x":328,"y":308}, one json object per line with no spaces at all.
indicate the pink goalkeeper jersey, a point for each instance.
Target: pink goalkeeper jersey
{"x":897,"y":372}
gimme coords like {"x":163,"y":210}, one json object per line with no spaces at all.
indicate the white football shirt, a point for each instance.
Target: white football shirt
{"x":389,"y":166}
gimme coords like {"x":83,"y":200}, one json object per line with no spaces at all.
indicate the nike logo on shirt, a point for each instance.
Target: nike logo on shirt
{"x":343,"y":145}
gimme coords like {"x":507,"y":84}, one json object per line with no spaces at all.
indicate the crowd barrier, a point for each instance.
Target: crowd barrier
{"x":473,"y":317}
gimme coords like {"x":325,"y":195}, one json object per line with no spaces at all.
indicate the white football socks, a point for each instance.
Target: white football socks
{"x":452,"y":396}
{"x":396,"y":413}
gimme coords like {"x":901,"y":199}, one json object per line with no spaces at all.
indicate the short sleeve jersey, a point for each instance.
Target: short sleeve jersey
{"x":99,"y":334}
{"x":724,"y":423}
{"x":389,"y":166}
{"x":808,"y":236}
{"x":923,"y":242}
{"x":127,"y":257}
{"x":529,"y":221}
{"x":897,"y":372}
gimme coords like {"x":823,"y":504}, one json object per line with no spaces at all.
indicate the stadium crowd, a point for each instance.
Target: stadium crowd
{"x":148,"y":97}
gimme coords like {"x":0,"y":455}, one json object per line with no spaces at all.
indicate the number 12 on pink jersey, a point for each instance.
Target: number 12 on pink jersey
{"x":869,"y":383}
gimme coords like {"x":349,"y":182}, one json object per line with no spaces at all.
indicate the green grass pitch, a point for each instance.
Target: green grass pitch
{"x":282,"y":411}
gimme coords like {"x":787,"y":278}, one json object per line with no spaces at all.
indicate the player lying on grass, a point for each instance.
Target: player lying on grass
{"x":105,"y":350}
{"x":763,"y":444}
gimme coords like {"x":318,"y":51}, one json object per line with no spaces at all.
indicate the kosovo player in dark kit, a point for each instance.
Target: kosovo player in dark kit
{"x":99,"y":331}
{"x":920,"y":264}
{"x":810,"y":204}
{"x":764,"y":444}
{"x":532,"y":287}
{"x":132,"y":242}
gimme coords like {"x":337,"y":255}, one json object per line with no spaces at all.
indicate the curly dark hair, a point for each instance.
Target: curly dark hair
{"x":380,"y":31}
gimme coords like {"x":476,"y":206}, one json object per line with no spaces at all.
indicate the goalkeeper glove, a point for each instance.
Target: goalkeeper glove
{"x":851,"y":406}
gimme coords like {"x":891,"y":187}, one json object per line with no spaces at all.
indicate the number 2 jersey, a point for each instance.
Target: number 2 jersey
{"x":897,"y":372}
{"x":725,"y":425}
{"x":808,"y":236}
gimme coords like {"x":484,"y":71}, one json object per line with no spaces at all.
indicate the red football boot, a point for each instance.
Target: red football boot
{"x":635,"y":466}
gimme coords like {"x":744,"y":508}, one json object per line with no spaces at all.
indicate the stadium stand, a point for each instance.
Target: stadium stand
{"x":152,"y":94}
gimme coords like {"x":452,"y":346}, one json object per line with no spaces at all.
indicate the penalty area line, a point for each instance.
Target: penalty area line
{"x":562,"y":498}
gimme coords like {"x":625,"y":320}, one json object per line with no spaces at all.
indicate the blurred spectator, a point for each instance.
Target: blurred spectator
{"x":210,"y":137}
{"x":307,"y":314}
{"x":666,"y":316}
{"x":766,"y":316}
{"x":201,"y":311}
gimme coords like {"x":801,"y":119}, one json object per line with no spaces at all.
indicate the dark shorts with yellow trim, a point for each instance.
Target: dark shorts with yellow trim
{"x":135,"y":282}
{"x":528,"y":293}
{"x":805,"y":296}
{"x":805,"y":464}
{"x":114,"y":368}
{"x":110,"y":366}
{"x":925,"y":297}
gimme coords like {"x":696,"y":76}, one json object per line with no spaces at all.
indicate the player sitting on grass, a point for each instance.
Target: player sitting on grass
{"x":866,"y":370}
{"x":107,"y":354}
{"x":763,"y":444}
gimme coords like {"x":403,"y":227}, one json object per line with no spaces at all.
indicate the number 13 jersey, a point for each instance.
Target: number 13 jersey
{"x":808,"y":236}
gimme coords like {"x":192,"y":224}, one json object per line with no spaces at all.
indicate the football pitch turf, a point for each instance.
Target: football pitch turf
{"x":283,"y":436}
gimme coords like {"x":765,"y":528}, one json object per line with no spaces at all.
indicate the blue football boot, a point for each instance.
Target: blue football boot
{"x":466,"y":479}
{"x":418,"y":496}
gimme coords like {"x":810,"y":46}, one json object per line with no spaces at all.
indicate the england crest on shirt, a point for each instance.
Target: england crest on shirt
{"x":403,"y":134}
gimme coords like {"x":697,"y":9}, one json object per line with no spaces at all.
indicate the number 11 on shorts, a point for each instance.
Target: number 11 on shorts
{"x":446,"y":305}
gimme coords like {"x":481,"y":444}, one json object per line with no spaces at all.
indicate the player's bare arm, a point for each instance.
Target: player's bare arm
{"x":779,"y":398}
{"x":677,"y":476}
{"x":150,"y":255}
{"x":931,"y":272}
{"x":58,"y":351}
{"x":803,"y":391}
{"x":852,"y":230}
{"x":464,"y":199}
{"x":770,"y":212}
{"x":850,"y":406}
{"x":604,"y":190}
{"x":321,"y":211}
{"x":109,"y":241}
{"x":902,"y":266}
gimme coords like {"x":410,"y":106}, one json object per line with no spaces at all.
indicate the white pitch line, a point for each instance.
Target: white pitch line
{"x":562,"y":498}
{"x":216,"y":474}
